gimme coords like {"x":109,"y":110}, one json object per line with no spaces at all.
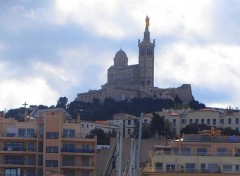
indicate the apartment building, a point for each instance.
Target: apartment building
{"x":179,"y":119}
{"x":88,"y":126}
{"x":195,"y":154}
{"x":49,"y":144}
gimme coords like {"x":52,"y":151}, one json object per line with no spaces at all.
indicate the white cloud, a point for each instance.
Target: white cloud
{"x":190,"y":44}
{"x":113,"y":18}
{"x":13,"y":93}
{"x":213,"y":67}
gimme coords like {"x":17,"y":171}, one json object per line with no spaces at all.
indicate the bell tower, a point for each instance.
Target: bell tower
{"x":146,"y":59}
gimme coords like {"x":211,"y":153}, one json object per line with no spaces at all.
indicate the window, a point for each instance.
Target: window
{"x":85,"y":173}
{"x":13,"y":159}
{"x":52,"y":135}
{"x":196,"y":121}
{"x":10,"y":172}
{"x":185,"y":151}
{"x":129,"y":131}
{"x":31,"y":172}
{"x":31,"y":160}
{"x":203,"y":167}
{"x":213,"y":167}
{"x":51,"y":163}
{"x":158,"y":166}
{"x":31,"y":146}
{"x":85,"y":160}
{"x":202,"y":121}
{"x":11,"y":131}
{"x":40,"y":132}
{"x":40,"y":160}
{"x":190,"y":121}
{"x":229,"y":120}
{"x":184,"y":121}
{"x":227,"y":167}
{"x":174,"y":122}
{"x":68,"y":161}
{"x":221,"y":151}
{"x":69,"y":133}
{"x":129,"y":122}
{"x":39,"y":172}
{"x":40,"y":146}
{"x":222,"y":121}
{"x":237,"y":120}
{"x":190,"y":167}
{"x":14,"y":146}
{"x":51,"y":149}
{"x":85,"y":146}
{"x":25,"y":132}
{"x":208,"y":121}
{"x":69,"y":146}
{"x":237,"y":168}
{"x":214,"y":121}
{"x":201,"y":151}
{"x":170,"y":167}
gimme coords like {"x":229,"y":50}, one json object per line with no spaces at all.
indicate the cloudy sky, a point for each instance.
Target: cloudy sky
{"x":54,"y":48}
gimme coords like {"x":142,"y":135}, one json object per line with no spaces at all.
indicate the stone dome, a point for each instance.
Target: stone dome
{"x":120,"y":58}
{"x":120,"y":54}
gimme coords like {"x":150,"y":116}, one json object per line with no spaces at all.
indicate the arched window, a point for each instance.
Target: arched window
{"x":148,"y":82}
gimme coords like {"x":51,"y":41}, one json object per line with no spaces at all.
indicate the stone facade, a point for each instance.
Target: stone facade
{"x":135,"y":81}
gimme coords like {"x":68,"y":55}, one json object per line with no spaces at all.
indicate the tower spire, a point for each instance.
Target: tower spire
{"x":146,"y":58}
{"x":147,"y":22}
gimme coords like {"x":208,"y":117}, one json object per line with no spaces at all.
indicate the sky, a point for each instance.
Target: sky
{"x":51,"y":49}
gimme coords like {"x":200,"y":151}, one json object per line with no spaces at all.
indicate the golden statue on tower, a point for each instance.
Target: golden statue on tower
{"x":147,"y":21}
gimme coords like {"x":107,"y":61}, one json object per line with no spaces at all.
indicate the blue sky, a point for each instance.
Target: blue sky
{"x":50,"y":49}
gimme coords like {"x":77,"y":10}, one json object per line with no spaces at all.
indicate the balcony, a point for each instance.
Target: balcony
{"x":188,"y":153}
{"x":18,"y":162}
{"x":18,"y":149}
{"x":15,"y":136}
{"x":77,"y":150}
{"x":80,"y":165}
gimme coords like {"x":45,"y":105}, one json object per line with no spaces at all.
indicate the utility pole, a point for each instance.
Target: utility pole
{"x":119,"y":149}
{"x":139,"y":146}
{"x":130,"y":171}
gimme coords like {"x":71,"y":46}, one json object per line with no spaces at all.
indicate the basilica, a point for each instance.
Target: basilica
{"x":135,"y":81}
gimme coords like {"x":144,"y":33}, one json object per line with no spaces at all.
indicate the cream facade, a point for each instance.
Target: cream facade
{"x":50,"y":144}
{"x":179,"y":119}
{"x":196,"y":154}
{"x":88,"y":126}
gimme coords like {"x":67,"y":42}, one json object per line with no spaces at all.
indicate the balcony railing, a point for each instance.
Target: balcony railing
{"x":184,"y":153}
{"x":78,"y":150}
{"x":17,"y":162}
{"x":77,"y":136}
{"x":73,"y":163}
{"x":18,"y":136}
{"x":17,"y":149}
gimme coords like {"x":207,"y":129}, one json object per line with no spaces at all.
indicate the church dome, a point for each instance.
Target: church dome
{"x":120,"y":54}
{"x":120,"y":58}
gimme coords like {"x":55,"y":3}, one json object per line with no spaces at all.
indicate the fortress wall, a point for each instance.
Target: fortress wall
{"x":119,"y":94}
{"x":184,"y":92}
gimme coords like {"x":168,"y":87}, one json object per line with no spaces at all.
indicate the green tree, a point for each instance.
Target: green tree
{"x":229,"y":131}
{"x":62,"y":102}
{"x":159,"y":127}
{"x":102,"y":137}
{"x":194,"y":128}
